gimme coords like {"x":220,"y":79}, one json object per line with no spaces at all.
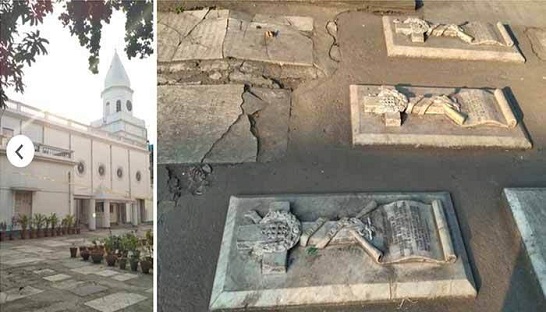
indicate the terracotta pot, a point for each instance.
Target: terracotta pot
{"x":145,"y":266}
{"x":97,"y":256}
{"x":2,"y":236}
{"x":40,"y":233}
{"x":84,"y":254}
{"x":111,"y":260}
{"x":73,"y":252}
{"x":24,"y":234}
{"x":32,"y":234}
{"x":123,"y":263}
{"x":134,"y":265}
{"x":46,"y":232}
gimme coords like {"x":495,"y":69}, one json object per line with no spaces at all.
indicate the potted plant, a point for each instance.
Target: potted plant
{"x":109,"y":246}
{"x":47,"y":222}
{"x":11,"y":227}
{"x":73,"y":251}
{"x":63,"y":226}
{"x":97,"y":252}
{"x":39,"y":220}
{"x":84,"y":253}
{"x":54,"y":220}
{"x":31,"y":227}
{"x":77,"y":226}
{"x":3,"y":227}
{"x":147,"y":262}
{"x":23,"y":220}
{"x":134,"y":257}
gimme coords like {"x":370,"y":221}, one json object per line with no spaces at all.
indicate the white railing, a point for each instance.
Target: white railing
{"x":52,"y":151}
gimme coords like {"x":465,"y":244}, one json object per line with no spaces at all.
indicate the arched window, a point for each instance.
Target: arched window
{"x":118,"y":106}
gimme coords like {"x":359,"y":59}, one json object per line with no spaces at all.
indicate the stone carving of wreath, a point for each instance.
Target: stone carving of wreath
{"x":282,"y":231}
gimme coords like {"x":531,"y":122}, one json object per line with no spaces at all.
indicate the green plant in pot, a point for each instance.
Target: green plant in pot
{"x":3,"y":227}
{"x":63,"y":226}
{"x":73,"y":251}
{"x":39,"y":221}
{"x":11,"y":227}
{"x":54,"y":220}
{"x":109,"y":246}
{"x":23,"y":221}
{"x":131,"y":245}
{"x":84,"y":252}
{"x":31,"y":232}
{"x":97,"y":252}
{"x":47,"y":222}
{"x":69,"y":224}
{"x":147,"y":262}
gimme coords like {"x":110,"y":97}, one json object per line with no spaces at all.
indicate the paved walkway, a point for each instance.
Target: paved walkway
{"x":39,"y":275}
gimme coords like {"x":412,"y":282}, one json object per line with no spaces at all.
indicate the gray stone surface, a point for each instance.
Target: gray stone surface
{"x":537,"y":36}
{"x":249,"y":41}
{"x":528,"y":207}
{"x":87,"y":290}
{"x":270,"y":113}
{"x":18,"y":293}
{"x":237,"y":145}
{"x":57,"y":277}
{"x":115,"y":302}
{"x":428,"y":130}
{"x":192,"y":118}
{"x":335,"y":275}
{"x":445,"y":48}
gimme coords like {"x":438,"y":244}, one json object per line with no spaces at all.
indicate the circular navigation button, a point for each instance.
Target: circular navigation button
{"x":20,"y":151}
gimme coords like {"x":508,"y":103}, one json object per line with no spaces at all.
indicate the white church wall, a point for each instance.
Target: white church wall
{"x":101,"y":156}
{"x":47,"y":180}
{"x":139,"y":162}
{"x":12,"y":123}
{"x":82,"y":152}
{"x":120,"y":159}
{"x":34,"y":132}
{"x":57,"y":138}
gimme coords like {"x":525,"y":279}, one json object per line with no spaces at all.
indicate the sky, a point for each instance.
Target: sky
{"x":61,"y":83}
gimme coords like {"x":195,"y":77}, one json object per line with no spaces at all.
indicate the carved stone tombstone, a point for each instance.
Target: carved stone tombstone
{"x":430,"y":116}
{"x":334,"y":249}
{"x":416,"y":37}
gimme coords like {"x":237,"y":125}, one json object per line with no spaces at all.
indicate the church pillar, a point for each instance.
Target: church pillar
{"x":128,"y":213}
{"x":91,"y":215}
{"x":134,"y":217}
{"x":106,"y":215}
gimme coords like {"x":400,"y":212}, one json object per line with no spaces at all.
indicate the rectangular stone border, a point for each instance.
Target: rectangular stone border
{"x":445,"y":53}
{"x":527,"y":236}
{"x":325,"y":295}
{"x":431,"y":140}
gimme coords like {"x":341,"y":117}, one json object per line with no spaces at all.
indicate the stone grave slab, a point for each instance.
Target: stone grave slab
{"x":192,"y":119}
{"x":107,"y":273}
{"x":537,"y":36}
{"x":67,"y":284}
{"x":87,"y":290}
{"x":528,"y":208}
{"x":273,"y":41}
{"x":124,"y":277}
{"x":115,"y":301}
{"x":16,"y":293}
{"x":72,"y":263}
{"x":415,"y":37}
{"x":43,"y":271}
{"x":435,"y":117}
{"x":54,"y":243}
{"x":57,"y":277}
{"x":310,"y":249}
{"x":88,"y":269}
{"x":21,"y":261}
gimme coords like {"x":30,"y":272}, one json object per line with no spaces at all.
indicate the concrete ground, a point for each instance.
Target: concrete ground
{"x":39,"y":275}
{"x":320,"y":159}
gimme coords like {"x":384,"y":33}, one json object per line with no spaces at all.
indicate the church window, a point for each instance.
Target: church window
{"x":119,"y":172}
{"x":118,"y":106}
{"x":102,"y":170}
{"x":129,"y":106}
{"x":81,"y":167}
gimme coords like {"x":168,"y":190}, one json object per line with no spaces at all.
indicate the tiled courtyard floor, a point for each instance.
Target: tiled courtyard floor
{"x":39,"y":275}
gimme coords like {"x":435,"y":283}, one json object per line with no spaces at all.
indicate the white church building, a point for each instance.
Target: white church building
{"x":101,"y":173}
